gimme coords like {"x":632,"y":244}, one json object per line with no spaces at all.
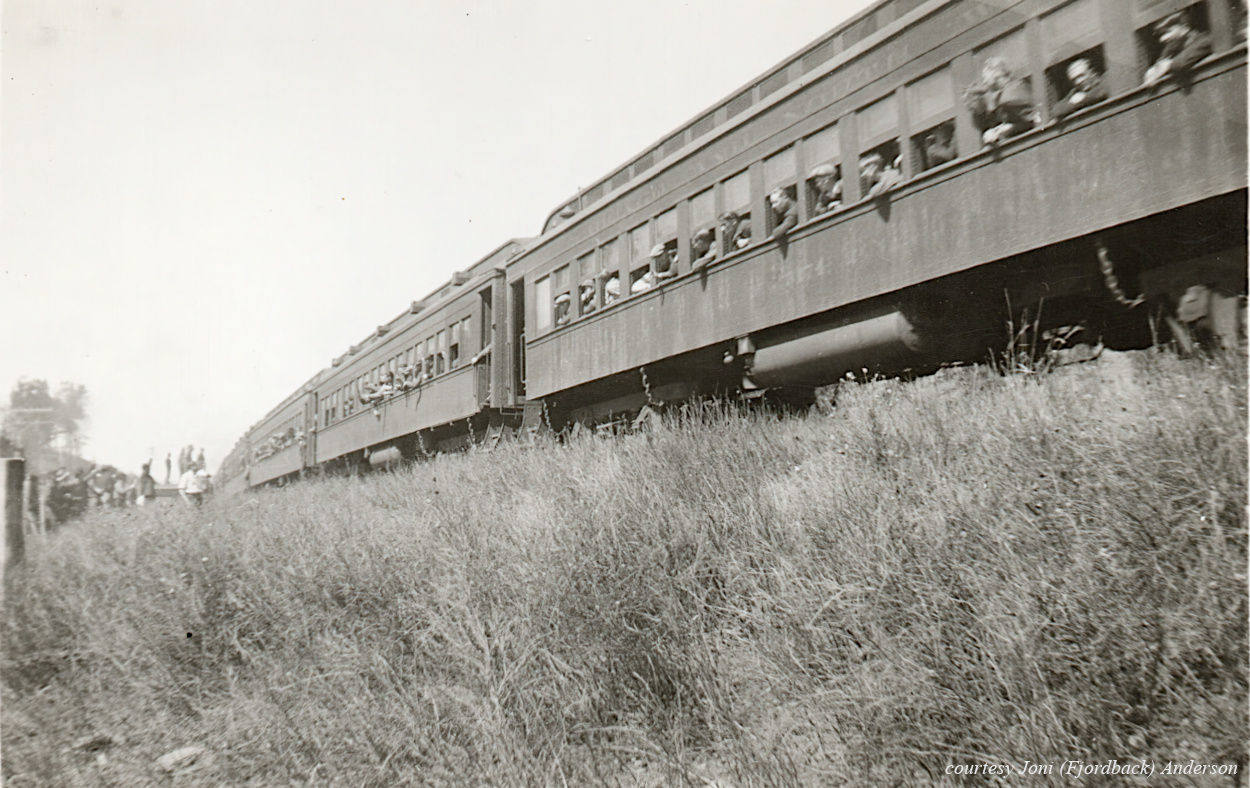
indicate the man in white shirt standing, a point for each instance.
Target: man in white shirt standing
{"x":193,"y":485}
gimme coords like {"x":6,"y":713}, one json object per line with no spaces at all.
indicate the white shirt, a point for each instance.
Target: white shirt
{"x":193,"y":482}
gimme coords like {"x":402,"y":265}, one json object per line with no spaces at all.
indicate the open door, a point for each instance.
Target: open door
{"x":516,"y":340}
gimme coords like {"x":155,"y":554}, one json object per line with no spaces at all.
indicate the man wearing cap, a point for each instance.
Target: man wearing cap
{"x":785,"y":213}
{"x":1087,"y":88}
{"x":562,"y":304}
{"x":828,"y":186}
{"x":1181,"y":48}
{"x":875,"y":178}
{"x":663,"y":262}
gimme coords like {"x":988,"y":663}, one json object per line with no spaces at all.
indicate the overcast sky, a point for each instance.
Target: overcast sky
{"x":203,"y":202}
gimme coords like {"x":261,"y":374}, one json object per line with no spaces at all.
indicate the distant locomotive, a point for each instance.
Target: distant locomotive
{"x":884,"y":234}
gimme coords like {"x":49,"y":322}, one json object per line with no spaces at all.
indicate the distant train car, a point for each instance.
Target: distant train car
{"x":278,"y":445}
{"x":885,"y":199}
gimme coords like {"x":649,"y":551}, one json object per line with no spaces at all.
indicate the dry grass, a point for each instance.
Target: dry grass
{"x":961,"y":568}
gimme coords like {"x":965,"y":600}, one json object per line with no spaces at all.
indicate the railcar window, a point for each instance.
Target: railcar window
{"x":879,"y":169}
{"x":610,"y":276}
{"x":1173,"y":43}
{"x":1237,"y":17}
{"x":1077,"y":82}
{"x":823,"y":152}
{"x":464,"y":334}
{"x":1000,"y":99}
{"x":735,"y":219}
{"x":780,"y":183}
{"x":931,"y":107}
{"x":587,"y":298}
{"x":878,"y":122}
{"x":640,"y":276}
{"x":440,"y":362}
{"x":702,"y":228}
{"x":934,"y":146}
{"x":664,"y":253}
{"x":1069,"y":29}
{"x":561,"y":303}
{"x":542,"y":303}
{"x":453,"y":348}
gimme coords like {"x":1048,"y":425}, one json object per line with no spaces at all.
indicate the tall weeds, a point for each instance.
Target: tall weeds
{"x":962,"y":568}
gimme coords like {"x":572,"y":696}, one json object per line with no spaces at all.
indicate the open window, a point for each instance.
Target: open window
{"x":1072,"y":43}
{"x":781,"y":189}
{"x":588,"y":296}
{"x":440,"y":359}
{"x":664,"y":265}
{"x":735,"y":219}
{"x":1008,"y":57}
{"x":823,"y":152}
{"x":640,"y":277}
{"x":880,"y":160}
{"x":453,"y":349}
{"x":609,"y":283}
{"x":703,"y":246}
{"x":931,"y":108}
{"x":1076,"y":82}
{"x":561,"y":302}
{"x":1171,"y":32}
{"x":879,"y":169}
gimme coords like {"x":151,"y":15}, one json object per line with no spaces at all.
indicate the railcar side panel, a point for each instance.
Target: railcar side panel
{"x":1137,"y":156}
{"x":452,"y":396}
{"x":285,"y":462}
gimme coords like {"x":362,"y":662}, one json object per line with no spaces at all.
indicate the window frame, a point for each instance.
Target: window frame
{"x":743,"y":209}
{"x":811,"y":162}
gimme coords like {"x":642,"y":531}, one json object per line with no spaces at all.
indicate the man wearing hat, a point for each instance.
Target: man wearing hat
{"x":1181,"y":47}
{"x":562,"y":304}
{"x":828,"y":186}
{"x":1087,"y":88}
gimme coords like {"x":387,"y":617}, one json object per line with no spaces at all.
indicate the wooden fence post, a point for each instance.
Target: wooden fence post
{"x":12,"y":476}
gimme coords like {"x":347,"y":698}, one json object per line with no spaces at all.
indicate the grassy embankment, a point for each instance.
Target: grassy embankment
{"x":958,"y":569}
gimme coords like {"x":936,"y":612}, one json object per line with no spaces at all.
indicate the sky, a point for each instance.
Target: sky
{"x":203,"y":202}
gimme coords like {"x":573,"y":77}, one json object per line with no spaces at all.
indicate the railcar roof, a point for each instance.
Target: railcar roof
{"x":803,"y":60}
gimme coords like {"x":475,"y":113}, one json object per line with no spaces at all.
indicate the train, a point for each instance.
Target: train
{"x":1125,"y":219}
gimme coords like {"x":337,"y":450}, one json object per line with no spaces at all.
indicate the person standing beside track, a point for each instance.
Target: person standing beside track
{"x":145,"y":485}
{"x":193,"y":485}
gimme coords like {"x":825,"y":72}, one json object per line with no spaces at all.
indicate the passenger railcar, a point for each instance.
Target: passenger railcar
{"x":1128,"y":210}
